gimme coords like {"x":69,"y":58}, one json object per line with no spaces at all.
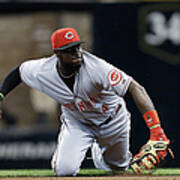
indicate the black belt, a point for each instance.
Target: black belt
{"x":106,"y":121}
{"x":110,"y":117}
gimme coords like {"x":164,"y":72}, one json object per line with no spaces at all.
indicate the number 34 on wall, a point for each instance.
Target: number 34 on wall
{"x":162,"y":28}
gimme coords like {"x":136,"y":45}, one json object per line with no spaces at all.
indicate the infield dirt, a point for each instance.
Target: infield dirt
{"x":99,"y":178}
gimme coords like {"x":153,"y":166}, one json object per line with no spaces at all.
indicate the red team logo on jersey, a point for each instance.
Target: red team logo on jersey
{"x":114,"y":77}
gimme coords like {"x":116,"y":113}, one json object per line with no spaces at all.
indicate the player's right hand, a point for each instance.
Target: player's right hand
{"x":0,"y":109}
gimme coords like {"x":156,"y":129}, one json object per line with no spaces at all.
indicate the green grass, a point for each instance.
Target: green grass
{"x":83,"y":172}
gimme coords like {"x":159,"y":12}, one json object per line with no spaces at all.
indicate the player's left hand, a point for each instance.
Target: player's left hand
{"x":152,"y":153}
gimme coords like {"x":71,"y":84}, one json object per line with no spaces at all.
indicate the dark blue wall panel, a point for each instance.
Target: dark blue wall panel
{"x":119,"y":37}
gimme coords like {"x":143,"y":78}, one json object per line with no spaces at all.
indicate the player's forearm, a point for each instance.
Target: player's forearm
{"x":10,"y":82}
{"x":140,"y":97}
{"x":146,"y":107}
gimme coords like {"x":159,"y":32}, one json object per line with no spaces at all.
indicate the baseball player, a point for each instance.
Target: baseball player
{"x":94,"y":114}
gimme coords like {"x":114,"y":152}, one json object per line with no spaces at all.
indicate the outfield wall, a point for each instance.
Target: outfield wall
{"x":143,"y":39}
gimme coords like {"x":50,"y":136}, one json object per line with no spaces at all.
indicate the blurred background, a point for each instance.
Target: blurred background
{"x":141,"y":37}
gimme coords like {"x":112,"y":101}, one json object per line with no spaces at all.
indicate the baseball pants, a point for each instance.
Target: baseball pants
{"x":109,"y":146}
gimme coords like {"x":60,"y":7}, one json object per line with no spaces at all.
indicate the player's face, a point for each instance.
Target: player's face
{"x":70,"y":58}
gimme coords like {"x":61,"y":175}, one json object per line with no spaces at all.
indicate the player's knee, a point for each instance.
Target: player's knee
{"x":65,"y":169}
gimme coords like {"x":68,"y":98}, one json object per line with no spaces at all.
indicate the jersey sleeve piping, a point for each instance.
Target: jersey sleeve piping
{"x":126,"y":86}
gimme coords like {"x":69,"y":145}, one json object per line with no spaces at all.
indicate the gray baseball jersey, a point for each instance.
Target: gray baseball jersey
{"x":95,"y":109}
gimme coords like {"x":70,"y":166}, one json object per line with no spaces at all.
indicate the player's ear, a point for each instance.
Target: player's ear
{"x":55,"y":51}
